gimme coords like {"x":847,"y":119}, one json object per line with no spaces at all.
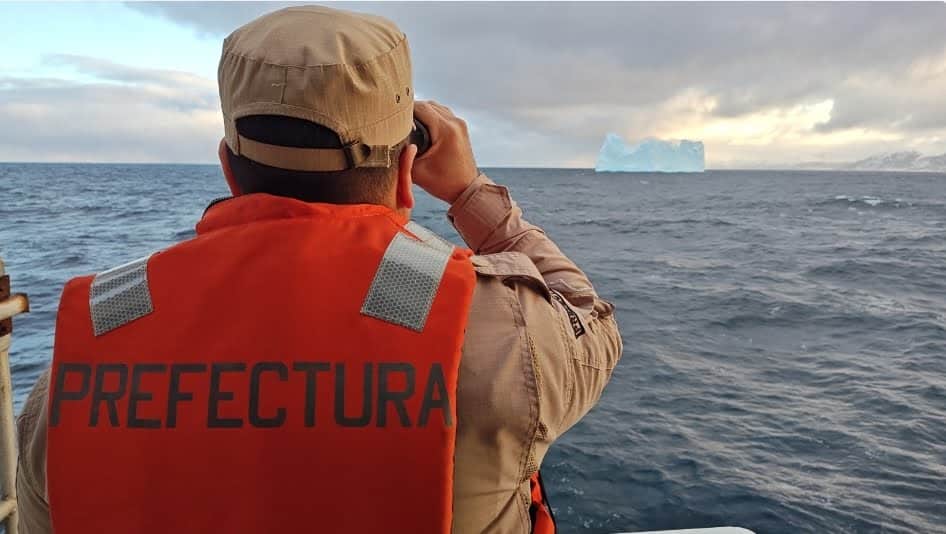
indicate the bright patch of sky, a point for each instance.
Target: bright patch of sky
{"x":32,"y":34}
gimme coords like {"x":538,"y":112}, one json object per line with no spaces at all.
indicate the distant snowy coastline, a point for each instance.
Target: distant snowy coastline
{"x":909,"y":161}
{"x":650,"y":155}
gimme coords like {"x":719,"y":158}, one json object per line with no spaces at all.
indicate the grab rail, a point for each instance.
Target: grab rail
{"x":10,"y":305}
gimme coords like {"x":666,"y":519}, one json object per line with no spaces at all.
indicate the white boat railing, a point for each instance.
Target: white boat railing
{"x":715,"y":530}
{"x":10,"y":305}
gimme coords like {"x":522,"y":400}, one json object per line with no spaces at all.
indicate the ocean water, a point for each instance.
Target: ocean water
{"x":784,"y":332}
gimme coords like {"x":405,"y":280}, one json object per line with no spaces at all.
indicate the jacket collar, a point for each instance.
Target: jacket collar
{"x":244,"y":209}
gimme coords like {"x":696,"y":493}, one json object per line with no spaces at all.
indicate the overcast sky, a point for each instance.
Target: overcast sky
{"x":763,"y":85}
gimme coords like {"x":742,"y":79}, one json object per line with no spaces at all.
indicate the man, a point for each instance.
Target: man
{"x":312,"y":361}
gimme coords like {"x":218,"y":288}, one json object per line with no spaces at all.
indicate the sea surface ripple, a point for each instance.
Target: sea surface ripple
{"x":784,"y":332}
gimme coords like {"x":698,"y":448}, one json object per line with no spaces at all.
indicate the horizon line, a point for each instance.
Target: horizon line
{"x":718,"y":169}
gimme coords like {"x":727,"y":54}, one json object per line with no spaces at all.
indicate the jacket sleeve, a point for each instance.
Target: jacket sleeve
{"x":32,"y":506}
{"x":572,"y":333}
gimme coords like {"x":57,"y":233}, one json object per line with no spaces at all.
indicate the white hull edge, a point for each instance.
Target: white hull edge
{"x":717,"y":530}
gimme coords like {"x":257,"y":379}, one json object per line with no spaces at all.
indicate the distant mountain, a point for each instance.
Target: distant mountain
{"x":910,"y":160}
{"x":902,"y":161}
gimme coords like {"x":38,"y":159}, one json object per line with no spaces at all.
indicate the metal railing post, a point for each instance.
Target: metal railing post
{"x":10,"y":305}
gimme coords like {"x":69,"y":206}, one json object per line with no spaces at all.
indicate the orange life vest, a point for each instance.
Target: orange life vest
{"x":543,"y":522}
{"x":293,"y":368}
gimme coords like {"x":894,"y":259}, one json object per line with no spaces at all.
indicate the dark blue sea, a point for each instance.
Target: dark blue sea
{"x":784,"y":332}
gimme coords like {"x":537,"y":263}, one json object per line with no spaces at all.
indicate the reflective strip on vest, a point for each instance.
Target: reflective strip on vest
{"x":429,"y":237}
{"x":119,"y":296}
{"x":405,"y":283}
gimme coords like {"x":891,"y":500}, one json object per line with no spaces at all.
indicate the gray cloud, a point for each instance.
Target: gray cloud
{"x":882,"y":101}
{"x":542,"y":82}
{"x":569,"y":72}
{"x":131,"y":114}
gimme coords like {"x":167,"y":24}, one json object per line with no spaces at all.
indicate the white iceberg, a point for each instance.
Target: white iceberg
{"x":650,"y":155}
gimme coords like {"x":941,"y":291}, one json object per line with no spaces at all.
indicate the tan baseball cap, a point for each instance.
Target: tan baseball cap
{"x":349,"y":72}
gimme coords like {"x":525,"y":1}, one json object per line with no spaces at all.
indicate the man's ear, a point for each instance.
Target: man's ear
{"x":223,"y":152}
{"x":405,"y":182}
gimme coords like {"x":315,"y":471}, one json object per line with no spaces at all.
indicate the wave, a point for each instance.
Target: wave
{"x":852,"y":267}
{"x":623,"y":224}
{"x":916,"y":240}
{"x":690,"y":263}
{"x":873,"y":202}
{"x":184,"y":234}
{"x":69,"y":260}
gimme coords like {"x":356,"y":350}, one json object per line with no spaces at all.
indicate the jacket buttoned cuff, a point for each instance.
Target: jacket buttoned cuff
{"x":480,"y":210}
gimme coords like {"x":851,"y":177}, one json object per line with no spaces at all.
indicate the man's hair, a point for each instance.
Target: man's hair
{"x":361,"y":185}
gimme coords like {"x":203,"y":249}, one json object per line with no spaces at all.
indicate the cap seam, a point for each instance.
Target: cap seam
{"x":373,"y":60}
{"x":285,"y":83}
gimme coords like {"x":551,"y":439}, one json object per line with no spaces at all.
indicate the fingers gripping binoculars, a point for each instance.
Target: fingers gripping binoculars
{"x":420,"y":136}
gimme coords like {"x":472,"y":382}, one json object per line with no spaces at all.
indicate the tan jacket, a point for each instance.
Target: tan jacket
{"x":527,"y":374}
